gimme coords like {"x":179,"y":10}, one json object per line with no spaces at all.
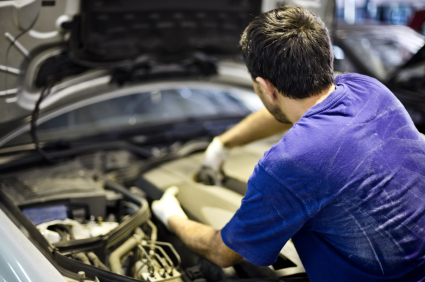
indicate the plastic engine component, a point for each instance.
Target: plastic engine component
{"x":44,"y":214}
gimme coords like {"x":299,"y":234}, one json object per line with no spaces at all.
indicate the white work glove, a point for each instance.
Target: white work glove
{"x":167,"y":206}
{"x":214,"y":157}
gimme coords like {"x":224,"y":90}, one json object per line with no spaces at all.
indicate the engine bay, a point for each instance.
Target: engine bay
{"x":91,"y":215}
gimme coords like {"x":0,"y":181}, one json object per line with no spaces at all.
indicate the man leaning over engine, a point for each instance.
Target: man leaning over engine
{"x":346,"y":182}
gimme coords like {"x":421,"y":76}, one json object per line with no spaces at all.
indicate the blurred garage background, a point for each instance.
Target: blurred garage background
{"x":398,"y":12}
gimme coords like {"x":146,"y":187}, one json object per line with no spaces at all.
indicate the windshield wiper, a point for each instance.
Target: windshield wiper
{"x":111,"y":145}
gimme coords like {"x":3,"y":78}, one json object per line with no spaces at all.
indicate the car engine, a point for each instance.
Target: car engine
{"x":91,"y":214}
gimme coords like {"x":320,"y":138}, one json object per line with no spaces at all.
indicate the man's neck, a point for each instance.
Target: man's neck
{"x":296,"y":108}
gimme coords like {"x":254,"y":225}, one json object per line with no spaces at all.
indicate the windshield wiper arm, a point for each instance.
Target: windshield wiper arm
{"x":35,"y":158}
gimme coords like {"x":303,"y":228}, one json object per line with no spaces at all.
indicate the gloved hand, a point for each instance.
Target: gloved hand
{"x":167,"y":206}
{"x":211,"y":171}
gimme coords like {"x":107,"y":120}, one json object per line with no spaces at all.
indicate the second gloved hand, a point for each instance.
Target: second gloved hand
{"x":211,"y":171}
{"x":167,"y":206}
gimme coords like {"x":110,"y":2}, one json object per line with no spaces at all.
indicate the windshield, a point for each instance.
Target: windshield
{"x":381,"y":49}
{"x":134,"y":110}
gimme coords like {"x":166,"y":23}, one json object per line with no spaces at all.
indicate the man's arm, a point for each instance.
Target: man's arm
{"x":204,"y":240}
{"x":256,"y":126}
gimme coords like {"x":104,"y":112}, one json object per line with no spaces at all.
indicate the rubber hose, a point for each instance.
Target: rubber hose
{"x":82,"y":257}
{"x":154,"y":235}
{"x":96,"y":261}
{"x":115,"y":257}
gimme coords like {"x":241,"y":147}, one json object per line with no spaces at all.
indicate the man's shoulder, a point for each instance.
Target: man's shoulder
{"x":359,"y":84}
{"x":357,"y":78}
{"x":359,"y":117}
{"x":299,"y":150}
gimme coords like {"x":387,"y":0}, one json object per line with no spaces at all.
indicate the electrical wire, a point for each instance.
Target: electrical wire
{"x":42,"y":95}
{"x":13,"y":43}
{"x":35,"y":114}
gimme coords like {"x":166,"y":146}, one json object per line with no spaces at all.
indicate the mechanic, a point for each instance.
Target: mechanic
{"x":346,"y":182}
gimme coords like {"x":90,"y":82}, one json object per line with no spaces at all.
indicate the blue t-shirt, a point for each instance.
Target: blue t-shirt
{"x":347,"y":183}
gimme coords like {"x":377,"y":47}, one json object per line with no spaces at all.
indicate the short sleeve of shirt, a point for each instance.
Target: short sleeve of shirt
{"x":270,"y":214}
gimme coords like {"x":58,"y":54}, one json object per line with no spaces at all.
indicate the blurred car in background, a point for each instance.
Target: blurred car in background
{"x":388,"y":53}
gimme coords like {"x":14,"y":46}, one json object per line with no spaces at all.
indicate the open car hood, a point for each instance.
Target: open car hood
{"x":118,"y":32}
{"x":85,"y":42}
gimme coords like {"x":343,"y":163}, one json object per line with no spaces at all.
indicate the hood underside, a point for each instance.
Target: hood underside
{"x":117,"y":31}
{"x":83,"y":41}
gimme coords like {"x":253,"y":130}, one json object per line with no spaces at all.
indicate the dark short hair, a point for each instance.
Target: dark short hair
{"x":290,"y":47}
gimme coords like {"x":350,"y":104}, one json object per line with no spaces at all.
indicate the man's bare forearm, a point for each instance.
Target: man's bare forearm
{"x":204,"y":240}
{"x":254,"y":127}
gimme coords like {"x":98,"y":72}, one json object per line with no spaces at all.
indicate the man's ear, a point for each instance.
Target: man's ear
{"x":268,"y":87}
